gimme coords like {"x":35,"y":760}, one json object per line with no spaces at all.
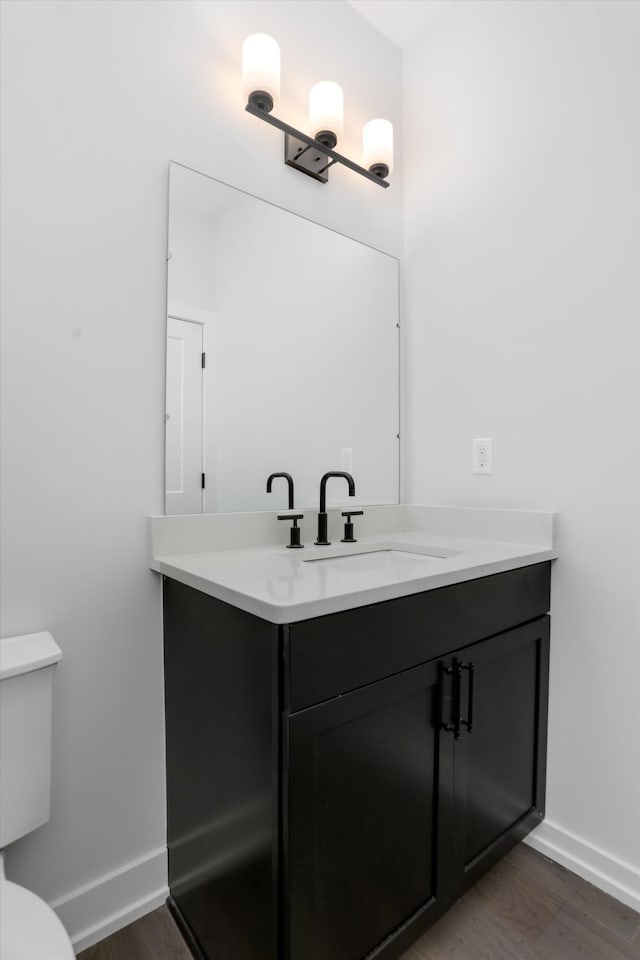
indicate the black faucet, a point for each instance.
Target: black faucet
{"x":322,"y":516}
{"x":288,"y":478}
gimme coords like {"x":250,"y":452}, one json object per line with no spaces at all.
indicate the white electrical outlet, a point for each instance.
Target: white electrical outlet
{"x":346,"y":458}
{"x":482,"y":455}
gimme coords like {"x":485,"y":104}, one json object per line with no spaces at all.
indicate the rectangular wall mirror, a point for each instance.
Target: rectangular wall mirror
{"x":282,"y":356}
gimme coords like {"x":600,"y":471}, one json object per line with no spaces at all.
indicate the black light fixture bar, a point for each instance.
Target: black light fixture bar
{"x":298,"y":144}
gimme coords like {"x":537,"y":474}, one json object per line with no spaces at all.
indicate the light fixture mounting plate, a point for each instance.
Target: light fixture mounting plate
{"x":306,"y":158}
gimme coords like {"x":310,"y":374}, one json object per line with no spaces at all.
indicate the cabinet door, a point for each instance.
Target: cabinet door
{"x":499,"y":763}
{"x":369,"y":795}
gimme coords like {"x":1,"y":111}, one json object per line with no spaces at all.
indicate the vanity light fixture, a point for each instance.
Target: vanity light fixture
{"x":313,"y":155}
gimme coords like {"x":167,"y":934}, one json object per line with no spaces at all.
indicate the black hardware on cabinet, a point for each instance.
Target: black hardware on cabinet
{"x":470,"y":668}
{"x":457,"y":719}
{"x":456,"y":672}
{"x":294,"y":539}
{"x":348,"y":527}
{"x":322,"y":516}
{"x":444,"y":701}
{"x":289,"y":479}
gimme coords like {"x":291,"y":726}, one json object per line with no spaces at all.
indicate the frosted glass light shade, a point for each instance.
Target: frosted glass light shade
{"x":326,"y":110}
{"x":377,"y":146}
{"x":261,"y":71}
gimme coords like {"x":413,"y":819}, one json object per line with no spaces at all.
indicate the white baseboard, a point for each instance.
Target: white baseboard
{"x":617,"y":878}
{"x":115,"y":899}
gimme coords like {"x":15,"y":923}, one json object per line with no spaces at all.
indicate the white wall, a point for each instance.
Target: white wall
{"x":97,"y":98}
{"x":522,"y":307}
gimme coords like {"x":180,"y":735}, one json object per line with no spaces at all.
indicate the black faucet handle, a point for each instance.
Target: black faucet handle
{"x":294,"y":538}
{"x":348,"y":527}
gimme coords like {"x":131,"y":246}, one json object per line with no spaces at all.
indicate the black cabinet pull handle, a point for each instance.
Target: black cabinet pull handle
{"x":456,"y":671}
{"x":471,"y":669}
{"x":444,"y":671}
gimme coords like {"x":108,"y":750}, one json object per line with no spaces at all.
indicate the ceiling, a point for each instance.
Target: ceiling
{"x":400,"y":20}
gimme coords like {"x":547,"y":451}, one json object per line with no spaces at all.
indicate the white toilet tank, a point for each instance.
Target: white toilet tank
{"x":27,"y":664}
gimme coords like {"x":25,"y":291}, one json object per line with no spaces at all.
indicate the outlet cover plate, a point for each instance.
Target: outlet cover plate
{"x":482,"y":461}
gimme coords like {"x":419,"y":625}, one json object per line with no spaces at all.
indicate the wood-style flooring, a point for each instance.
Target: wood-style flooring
{"x":526,"y":908}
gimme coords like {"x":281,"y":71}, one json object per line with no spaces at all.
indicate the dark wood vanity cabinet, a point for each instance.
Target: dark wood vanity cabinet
{"x":500,"y":767}
{"x":367,"y":797}
{"x":335,"y":784}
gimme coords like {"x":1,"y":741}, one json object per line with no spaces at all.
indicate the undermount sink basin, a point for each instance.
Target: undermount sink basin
{"x":389,"y":560}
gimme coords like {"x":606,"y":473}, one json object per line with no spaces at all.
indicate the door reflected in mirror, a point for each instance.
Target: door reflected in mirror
{"x":282,"y":356}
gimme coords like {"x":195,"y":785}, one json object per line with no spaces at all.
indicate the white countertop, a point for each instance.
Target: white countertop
{"x":284,"y":586}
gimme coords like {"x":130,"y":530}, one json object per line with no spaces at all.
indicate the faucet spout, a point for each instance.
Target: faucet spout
{"x":322,"y":515}
{"x":288,"y":478}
